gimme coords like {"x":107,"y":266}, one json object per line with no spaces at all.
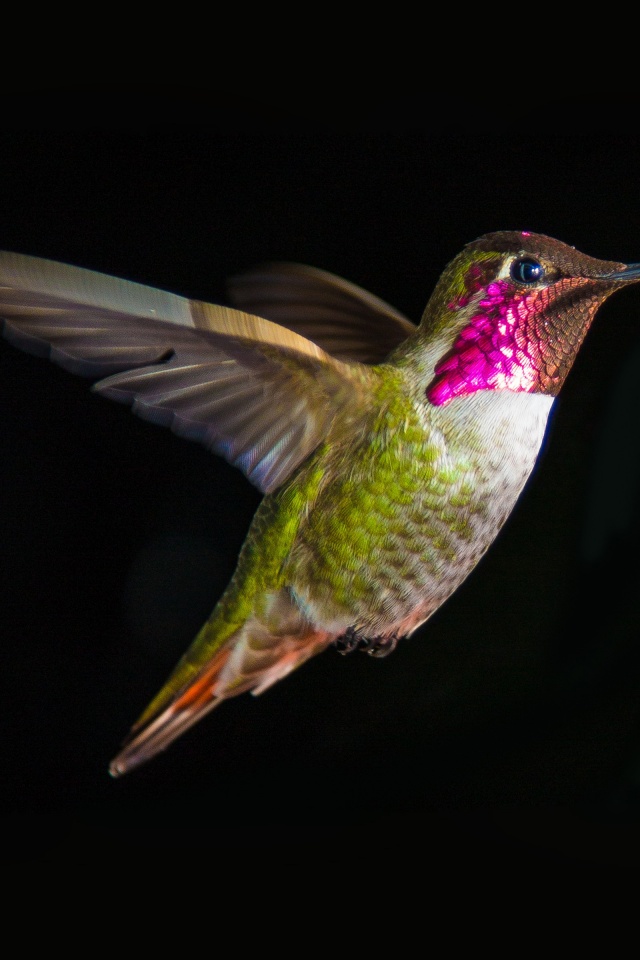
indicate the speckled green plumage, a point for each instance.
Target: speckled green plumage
{"x":388,"y":499}
{"x":323,"y":519}
{"x":355,"y":530}
{"x":389,"y":455}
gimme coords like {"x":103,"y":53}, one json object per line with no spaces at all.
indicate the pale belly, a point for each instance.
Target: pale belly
{"x":397,"y":531}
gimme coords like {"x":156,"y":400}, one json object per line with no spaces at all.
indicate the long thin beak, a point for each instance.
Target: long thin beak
{"x":628,"y":273}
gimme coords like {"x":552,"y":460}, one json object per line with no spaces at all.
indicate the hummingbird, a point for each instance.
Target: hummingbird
{"x":389,"y":454}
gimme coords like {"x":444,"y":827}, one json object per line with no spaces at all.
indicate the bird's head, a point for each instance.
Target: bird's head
{"x":511,"y":311}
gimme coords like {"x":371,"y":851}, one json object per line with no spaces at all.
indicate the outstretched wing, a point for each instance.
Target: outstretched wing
{"x":259,"y":394}
{"x":342,"y":318}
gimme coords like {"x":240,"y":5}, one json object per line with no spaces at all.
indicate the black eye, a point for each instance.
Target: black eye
{"x":526,"y":270}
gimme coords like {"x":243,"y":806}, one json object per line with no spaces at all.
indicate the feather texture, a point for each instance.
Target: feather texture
{"x":258,"y":393}
{"x":348,"y":322}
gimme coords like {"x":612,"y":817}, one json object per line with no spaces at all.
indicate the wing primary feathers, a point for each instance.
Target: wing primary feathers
{"x":260,"y":394}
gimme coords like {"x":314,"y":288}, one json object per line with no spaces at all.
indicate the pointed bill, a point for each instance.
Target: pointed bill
{"x":628,"y":274}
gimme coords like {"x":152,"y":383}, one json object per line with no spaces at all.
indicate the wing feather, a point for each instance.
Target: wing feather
{"x":261,"y":395}
{"x":348,"y":322}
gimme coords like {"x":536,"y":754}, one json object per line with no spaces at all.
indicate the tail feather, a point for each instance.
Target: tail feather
{"x":157,"y":736}
{"x":159,"y":726}
{"x":252,"y":659}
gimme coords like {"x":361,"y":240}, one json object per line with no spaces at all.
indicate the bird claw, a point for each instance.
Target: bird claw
{"x":352,"y":640}
{"x":382,"y":646}
{"x":348,"y":642}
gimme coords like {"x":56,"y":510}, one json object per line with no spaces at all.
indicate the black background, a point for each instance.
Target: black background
{"x":507,"y":730}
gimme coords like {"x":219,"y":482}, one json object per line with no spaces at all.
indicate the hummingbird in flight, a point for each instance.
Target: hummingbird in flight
{"x":389,"y":454}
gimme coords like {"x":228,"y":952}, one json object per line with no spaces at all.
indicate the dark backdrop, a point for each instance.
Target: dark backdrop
{"x":506,"y":731}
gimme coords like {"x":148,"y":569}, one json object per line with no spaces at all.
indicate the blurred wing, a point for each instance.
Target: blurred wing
{"x":261,"y":395}
{"x":342,"y":318}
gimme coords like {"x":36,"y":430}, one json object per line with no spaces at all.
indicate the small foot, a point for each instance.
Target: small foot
{"x":374,"y":646}
{"x":348,"y":642}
